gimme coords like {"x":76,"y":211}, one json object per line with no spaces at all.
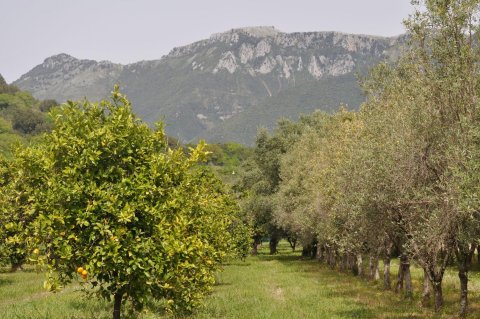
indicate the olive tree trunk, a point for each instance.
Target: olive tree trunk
{"x":464,"y":257}
{"x":292,"y":241}
{"x":408,"y":279}
{"x":273,"y":245}
{"x":399,"y":283}
{"x":427,"y":288}
{"x":257,"y":240}
{"x":438,"y":295}
{"x":359,"y":265}
{"x":404,"y":277}
{"x":435,"y":275}
{"x":463,"y":275}
{"x":387,"y":281}
{"x":320,"y":250}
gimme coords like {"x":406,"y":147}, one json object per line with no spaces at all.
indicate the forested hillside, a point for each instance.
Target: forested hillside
{"x":21,"y":116}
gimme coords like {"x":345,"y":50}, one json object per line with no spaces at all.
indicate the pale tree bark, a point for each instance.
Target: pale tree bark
{"x":427,"y":288}
{"x":371,"y":266}
{"x":399,"y":283}
{"x":404,"y":277}
{"x":463,"y":275}
{"x":376,"y":273}
{"x":387,"y":282}
{"x":359,"y":265}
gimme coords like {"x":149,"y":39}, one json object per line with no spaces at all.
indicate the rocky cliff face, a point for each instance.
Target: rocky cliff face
{"x":224,"y":87}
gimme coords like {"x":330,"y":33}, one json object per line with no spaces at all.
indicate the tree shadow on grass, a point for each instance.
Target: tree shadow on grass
{"x":280,"y":257}
{"x":6,"y":281}
{"x":219,"y":284}
{"x":24,"y":269}
{"x":371,"y":299}
{"x":103,"y":309}
{"x":237,"y":263}
{"x":356,"y":313}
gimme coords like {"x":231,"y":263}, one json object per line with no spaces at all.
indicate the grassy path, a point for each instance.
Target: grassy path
{"x":282,"y":286}
{"x":289,"y":287}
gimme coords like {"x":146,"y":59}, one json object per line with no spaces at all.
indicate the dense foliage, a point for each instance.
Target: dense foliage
{"x":106,"y":196}
{"x":400,"y":177}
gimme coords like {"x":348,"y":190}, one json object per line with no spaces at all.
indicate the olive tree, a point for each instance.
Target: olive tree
{"x":445,"y":54}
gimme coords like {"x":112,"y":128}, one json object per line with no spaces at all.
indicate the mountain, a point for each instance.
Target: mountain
{"x":225,"y":87}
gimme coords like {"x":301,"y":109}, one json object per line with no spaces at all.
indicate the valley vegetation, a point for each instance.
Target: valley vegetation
{"x":22,"y":117}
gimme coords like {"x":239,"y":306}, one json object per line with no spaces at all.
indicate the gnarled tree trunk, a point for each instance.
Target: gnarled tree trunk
{"x":438,"y":294}
{"x":463,"y":275}
{"x":387,"y":282}
{"x":408,"y":279}
{"x":464,"y":257}
{"x":332,"y":257}
{"x":399,"y":283}
{"x":344,"y":262}
{"x":359,"y":265}
{"x":426,"y":289}
{"x":435,"y":275}
{"x":292,"y":241}
{"x":273,"y":244}
{"x":257,"y":240}
{"x":404,"y":277}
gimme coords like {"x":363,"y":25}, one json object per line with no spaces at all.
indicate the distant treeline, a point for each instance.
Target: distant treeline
{"x":21,"y":116}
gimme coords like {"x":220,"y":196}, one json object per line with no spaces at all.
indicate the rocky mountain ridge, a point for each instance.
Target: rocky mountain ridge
{"x":218,"y":88}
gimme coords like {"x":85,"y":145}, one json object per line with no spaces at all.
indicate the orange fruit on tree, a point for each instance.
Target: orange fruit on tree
{"x":84,"y":273}
{"x":80,"y":270}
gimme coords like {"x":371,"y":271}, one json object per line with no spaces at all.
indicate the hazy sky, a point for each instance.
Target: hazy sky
{"x":126,"y":31}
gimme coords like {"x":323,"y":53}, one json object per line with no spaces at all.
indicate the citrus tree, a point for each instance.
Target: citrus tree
{"x":19,"y":177}
{"x":125,"y":213}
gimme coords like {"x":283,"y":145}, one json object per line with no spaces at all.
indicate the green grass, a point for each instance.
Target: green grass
{"x":280,"y":286}
{"x":289,"y":286}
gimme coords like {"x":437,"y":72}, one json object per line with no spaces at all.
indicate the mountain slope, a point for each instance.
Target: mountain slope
{"x":224,"y":87}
